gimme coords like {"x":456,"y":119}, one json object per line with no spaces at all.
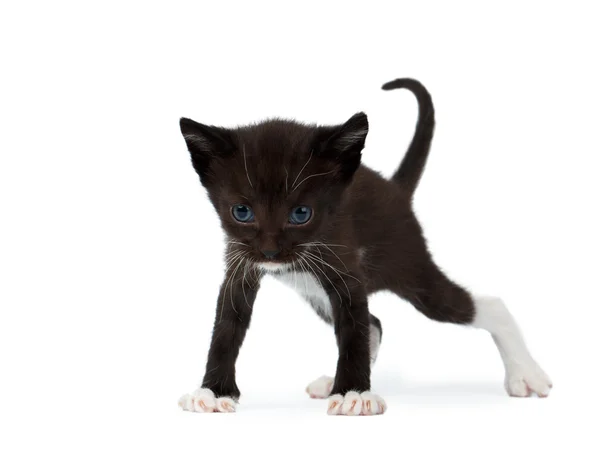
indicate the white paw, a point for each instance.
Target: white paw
{"x":203,"y":401}
{"x":372,"y":404}
{"x":354,"y":404}
{"x":320,"y":388}
{"x":523,"y":380}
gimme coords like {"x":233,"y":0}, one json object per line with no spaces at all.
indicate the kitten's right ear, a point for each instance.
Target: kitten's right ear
{"x":343,"y":144}
{"x":205,"y":143}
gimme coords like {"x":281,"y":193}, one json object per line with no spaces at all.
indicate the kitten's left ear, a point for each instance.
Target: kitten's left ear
{"x":205,"y":143}
{"x":343,"y":144}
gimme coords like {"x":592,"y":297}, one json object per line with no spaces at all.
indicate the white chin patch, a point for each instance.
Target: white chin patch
{"x":273,"y":267}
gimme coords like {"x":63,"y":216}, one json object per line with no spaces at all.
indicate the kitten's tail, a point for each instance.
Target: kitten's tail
{"x":411,"y":168}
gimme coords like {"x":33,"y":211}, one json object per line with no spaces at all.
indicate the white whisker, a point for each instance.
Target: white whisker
{"x":333,"y":268}
{"x":302,"y":170}
{"x":349,"y":295}
{"x":336,"y":271}
{"x":319,"y":244}
{"x":236,"y":242}
{"x":305,"y":275}
{"x":237,"y":260}
{"x":324,"y":274}
{"x":310,"y":176}
{"x":244,"y":280}
{"x":295,"y":276}
{"x":246,"y":165}
{"x":233,"y":282}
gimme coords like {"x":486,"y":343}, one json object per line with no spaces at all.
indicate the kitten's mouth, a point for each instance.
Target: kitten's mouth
{"x":273,"y":267}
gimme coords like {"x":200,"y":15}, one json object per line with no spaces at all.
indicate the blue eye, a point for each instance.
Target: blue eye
{"x":242,"y":213}
{"x":300,"y":215}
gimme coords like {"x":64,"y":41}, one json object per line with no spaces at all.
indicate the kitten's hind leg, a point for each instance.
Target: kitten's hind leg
{"x":524,"y":376}
{"x":436,"y":296}
{"x":321,"y":387}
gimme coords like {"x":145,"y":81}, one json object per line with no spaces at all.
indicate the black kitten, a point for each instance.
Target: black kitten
{"x":295,"y":202}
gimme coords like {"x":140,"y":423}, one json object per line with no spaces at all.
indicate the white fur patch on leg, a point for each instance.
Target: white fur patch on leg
{"x":354,"y":404}
{"x":320,"y":388}
{"x":374,"y":342}
{"x":203,"y":401}
{"x":524,"y":376}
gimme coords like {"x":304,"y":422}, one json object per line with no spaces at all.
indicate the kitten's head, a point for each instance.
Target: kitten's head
{"x":276,"y":184}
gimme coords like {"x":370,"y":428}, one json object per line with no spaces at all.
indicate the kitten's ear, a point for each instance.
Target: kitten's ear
{"x":343,"y":144}
{"x":205,"y":143}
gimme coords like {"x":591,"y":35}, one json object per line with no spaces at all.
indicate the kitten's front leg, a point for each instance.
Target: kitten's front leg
{"x":351,"y":388}
{"x":219,"y":391}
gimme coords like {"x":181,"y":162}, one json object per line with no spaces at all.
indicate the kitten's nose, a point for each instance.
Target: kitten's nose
{"x":270,"y":254}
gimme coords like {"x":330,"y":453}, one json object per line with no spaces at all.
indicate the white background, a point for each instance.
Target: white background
{"x":111,"y":255}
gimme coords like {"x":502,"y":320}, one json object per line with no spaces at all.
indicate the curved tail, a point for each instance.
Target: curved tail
{"x":411,"y":168}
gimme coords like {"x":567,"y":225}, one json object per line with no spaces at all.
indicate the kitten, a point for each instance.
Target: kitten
{"x":296,"y":203}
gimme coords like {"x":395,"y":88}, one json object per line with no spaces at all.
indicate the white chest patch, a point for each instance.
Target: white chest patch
{"x":307,"y":286}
